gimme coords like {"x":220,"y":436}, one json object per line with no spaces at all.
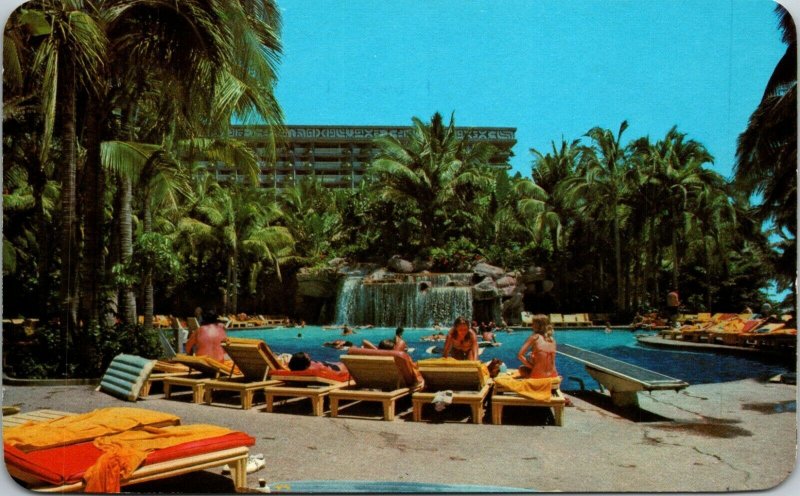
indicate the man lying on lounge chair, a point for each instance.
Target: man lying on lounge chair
{"x":302,"y":361}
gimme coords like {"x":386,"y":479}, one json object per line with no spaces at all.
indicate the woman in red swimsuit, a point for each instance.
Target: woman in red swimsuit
{"x":541,"y":361}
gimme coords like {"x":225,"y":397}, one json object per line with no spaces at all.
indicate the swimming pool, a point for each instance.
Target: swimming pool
{"x":694,"y":367}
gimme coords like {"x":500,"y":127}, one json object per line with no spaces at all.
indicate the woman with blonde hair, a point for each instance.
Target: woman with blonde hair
{"x":541,"y":360}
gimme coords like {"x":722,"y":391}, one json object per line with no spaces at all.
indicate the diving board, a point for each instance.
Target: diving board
{"x":622,"y":379}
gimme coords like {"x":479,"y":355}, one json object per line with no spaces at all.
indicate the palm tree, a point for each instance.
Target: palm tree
{"x":434,"y":173}
{"x":766,"y":156}
{"x":240,"y":221}
{"x":308,"y":210}
{"x":69,"y":58}
{"x":601,"y":187}
{"x":212,"y":60}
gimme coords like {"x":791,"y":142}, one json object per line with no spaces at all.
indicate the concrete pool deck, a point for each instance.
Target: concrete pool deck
{"x":733,"y":436}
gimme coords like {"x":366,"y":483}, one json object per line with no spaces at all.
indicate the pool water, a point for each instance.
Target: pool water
{"x":694,"y":367}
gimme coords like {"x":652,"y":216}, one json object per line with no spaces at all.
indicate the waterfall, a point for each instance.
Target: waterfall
{"x":419,"y":301}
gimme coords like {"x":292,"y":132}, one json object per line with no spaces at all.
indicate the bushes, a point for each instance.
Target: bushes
{"x":43,"y":356}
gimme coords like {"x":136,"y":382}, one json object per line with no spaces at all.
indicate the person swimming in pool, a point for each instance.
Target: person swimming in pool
{"x":540,"y":362}
{"x":461,"y":342}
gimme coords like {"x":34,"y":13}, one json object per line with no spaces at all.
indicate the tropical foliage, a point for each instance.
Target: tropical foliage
{"x":117,"y":114}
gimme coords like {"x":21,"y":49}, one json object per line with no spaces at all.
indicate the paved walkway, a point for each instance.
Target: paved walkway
{"x":723,"y":437}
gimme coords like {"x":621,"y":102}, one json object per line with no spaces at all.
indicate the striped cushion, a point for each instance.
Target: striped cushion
{"x":126,"y":375}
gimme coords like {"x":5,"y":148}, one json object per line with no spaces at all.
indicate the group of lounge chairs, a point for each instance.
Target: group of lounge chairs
{"x":231,"y":321}
{"x":563,"y":320}
{"x":371,"y":376}
{"x":382,"y":376}
{"x":743,"y":330}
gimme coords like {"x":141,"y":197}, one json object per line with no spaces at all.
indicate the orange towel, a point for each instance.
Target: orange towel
{"x":123,"y":453}
{"x":79,"y":428}
{"x":223,"y":368}
{"x":535,"y":389}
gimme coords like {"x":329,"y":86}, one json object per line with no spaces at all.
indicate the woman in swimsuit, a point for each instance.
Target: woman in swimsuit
{"x":541,"y":361}
{"x":461,"y":342}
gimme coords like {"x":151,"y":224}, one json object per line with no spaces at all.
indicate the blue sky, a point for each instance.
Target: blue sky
{"x":549,"y":68}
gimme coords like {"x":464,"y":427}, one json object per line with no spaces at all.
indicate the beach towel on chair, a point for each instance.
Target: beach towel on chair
{"x":536,"y":389}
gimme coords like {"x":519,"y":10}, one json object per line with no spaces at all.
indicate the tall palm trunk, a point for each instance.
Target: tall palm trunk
{"x":127,"y":295}
{"x":652,"y":264}
{"x":43,"y":240}
{"x":69,"y":252}
{"x":93,"y":268}
{"x":675,"y":258}
{"x":618,"y":258}
{"x":149,"y":304}
{"x":233,"y":284}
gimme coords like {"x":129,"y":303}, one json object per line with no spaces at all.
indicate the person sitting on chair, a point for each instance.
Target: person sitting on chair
{"x":541,"y":361}
{"x":207,"y":340}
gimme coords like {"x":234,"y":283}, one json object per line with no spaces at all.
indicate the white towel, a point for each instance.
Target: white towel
{"x":442,"y":399}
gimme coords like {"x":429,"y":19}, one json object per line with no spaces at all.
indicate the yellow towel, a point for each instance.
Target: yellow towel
{"x":79,"y":428}
{"x":123,"y":453}
{"x":452,"y":362}
{"x":535,"y":389}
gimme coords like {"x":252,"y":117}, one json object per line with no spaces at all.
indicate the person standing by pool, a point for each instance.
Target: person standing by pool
{"x":461,"y":342}
{"x":541,"y":360}
{"x":673,"y":302}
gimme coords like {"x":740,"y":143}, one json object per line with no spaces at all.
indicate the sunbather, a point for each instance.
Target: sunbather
{"x":207,"y":341}
{"x":541,"y":361}
{"x":338,"y":344}
{"x":302,"y":361}
{"x":397,"y":344}
{"x":461,"y":343}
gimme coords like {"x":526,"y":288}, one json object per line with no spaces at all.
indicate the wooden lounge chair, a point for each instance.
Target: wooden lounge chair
{"x":255,"y":359}
{"x":467,"y":379}
{"x":582,"y":319}
{"x":380,"y":375}
{"x":570,"y":320}
{"x":314,"y":385}
{"x":162,"y":370}
{"x":60,"y":468}
{"x":208,"y":368}
{"x":503,"y":397}
{"x":556,"y":319}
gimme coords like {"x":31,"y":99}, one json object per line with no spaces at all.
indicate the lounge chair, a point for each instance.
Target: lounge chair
{"x":556,"y":319}
{"x":314,"y":384}
{"x":469,"y":381}
{"x":163,"y":369}
{"x":570,"y":320}
{"x":380,"y":375}
{"x":703,"y":317}
{"x":504,"y":396}
{"x":61,"y":467}
{"x":255,"y":359}
{"x":208,"y":369}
